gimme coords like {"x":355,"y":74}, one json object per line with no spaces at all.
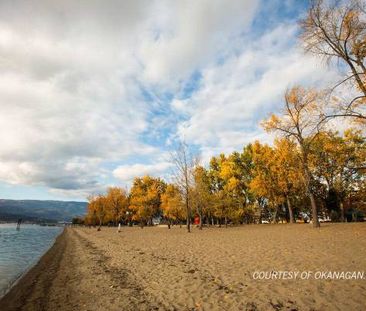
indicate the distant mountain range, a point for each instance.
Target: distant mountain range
{"x":40,"y":211}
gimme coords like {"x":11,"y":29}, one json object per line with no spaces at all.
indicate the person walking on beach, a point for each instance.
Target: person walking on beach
{"x":119,"y":227}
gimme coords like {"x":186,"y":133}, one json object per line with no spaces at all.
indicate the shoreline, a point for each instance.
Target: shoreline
{"x":19,"y":278}
{"x":21,"y":289}
{"x":73,"y":275}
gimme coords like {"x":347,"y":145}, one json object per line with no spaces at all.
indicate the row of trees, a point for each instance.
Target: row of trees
{"x":111,"y":208}
{"x":260,"y":183}
{"x":308,"y":164}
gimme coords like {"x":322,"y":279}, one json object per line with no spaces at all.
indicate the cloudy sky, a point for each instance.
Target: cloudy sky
{"x":93,"y":93}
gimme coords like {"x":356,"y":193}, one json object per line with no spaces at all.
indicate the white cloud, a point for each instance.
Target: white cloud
{"x":188,"y":35}
{"x":126,"y":173}
{"x":73,"y":74}
{"x":69,"y":99}
{"x":234,"y":96}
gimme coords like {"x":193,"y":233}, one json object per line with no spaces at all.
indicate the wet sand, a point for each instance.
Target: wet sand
{"x":161,"y":269}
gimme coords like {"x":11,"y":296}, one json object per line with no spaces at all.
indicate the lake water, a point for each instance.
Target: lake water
{"x":21,"y":249}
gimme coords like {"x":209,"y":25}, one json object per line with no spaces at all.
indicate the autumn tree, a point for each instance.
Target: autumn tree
{"x":266,"y":177}
{"x":290,"y":177}
{"x":184,"y":162}
{"x":230,"y":177}
{"x":301,"y":120}
{"x":216,"y":181}
{"x":117,"y":204}
{"x":277,"y":176}
{"x":172,"y":204}
{"x":246,"y":167}
{"x":91,"y":217}
{"x":201,"y":195}
{"x":145,"y":198}
{"x":235,"y":172}
{"x":221,"y":202}
{"x":336,"y":30}
{"x":97,"y":209}
{"x":339,"y":163}
{"x":253,"y":205}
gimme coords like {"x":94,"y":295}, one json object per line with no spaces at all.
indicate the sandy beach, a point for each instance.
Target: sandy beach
{"x":213,"y":269}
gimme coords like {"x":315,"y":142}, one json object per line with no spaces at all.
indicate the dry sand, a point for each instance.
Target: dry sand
{"x":161,"y":269}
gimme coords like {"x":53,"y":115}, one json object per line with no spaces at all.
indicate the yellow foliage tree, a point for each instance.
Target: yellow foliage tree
{"x":201,"y":196}
{"x":172,"y":204}
{"x":301,"y":120}
{"x":339,"y":163}
{"x":288,"y":169}
{"x":145,"y":198}
{"x":97,"y":210}
{"x":266,"y":178}
{"x":117,"y":204}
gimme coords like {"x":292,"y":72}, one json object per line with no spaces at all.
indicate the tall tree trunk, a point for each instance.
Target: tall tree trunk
{"x":274,"y":217}
{"x":188,"y":215}
{"x":308,"y":180}
{"x":225,"y":222}
{"x":290,"y":211}
{"x":341,"y":207}
{"x":100,"y":224}
{"x":200,"y":216}
{"x":354,"y":218}
{"x":314,"y":211}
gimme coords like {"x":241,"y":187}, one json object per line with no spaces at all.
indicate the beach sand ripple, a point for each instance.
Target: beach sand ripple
{"x":161,"y":269}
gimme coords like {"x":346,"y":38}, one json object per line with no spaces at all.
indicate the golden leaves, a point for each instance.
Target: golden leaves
{"x":172,"y":203}
{"x":145,"y":197}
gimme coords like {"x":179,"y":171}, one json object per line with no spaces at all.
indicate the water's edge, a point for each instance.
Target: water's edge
{"x":18,"y":278}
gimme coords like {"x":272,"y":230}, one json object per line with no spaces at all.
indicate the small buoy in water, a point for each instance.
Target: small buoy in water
{"x":119,"y":227}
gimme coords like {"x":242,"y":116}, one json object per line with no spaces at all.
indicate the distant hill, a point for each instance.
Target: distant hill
{"x":36,"y":210}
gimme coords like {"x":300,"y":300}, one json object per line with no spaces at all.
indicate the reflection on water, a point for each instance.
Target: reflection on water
{"x":20,"y":249}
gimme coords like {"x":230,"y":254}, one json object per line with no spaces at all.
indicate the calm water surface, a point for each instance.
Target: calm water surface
{"x":19,"y":250}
